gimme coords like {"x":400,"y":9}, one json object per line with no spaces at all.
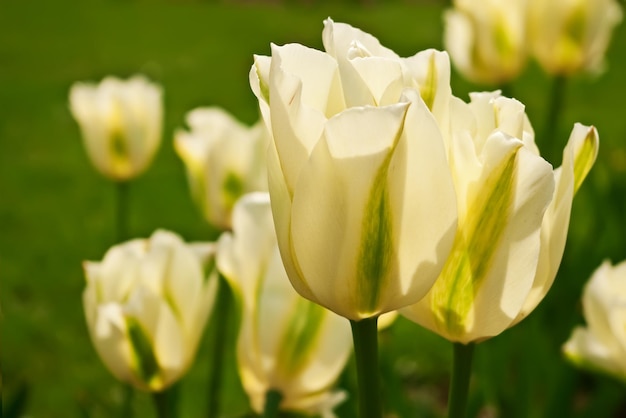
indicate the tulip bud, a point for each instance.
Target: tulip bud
{"x":601,"y":345}
{"x":286,"y":343}
{"x":224,"y":160}
{"x":146,"y":305}
{"x":571,"y":36}
{"x":362,"y":197}
{"x":513,"y":218}
{"x":487,"y":39}
{"x":120,"y":122}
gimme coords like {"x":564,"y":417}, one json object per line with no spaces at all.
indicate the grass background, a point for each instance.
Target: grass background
{"x":56,"y":211}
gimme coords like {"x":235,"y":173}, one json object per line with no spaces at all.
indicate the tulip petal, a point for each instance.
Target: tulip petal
{"x":382,"y":77}
{"x":338,"y":38}
{"x":430,"y":69}
{"x":281,"y":211}
{"x":578,"y":158}
{"x":344,"y":42}
{"x":584,"y":349}
{"x":303,"y":86}
{"x":496,"y":247}
{"x":351,"y":211}
{"x":160,"y":331}
{"x":423,"y":233}
{"x":113,"y":346}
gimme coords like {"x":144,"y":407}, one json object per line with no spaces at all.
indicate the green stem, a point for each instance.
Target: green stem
{"x":555,"y":110}
{"x":121,"y":210}
{"x":365,"y":337}
{"x":272,"y":404}
{"x":126,"y":408}
{"x":165,"y":402}
{"x":461,"y":372}
{"x":221,"y":319}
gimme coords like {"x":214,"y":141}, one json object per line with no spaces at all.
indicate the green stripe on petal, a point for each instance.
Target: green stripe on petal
{"x":232,"y":189}
{"x":145,"y":363}
{"x":376,"y":243}
{"x":428,"y":90}
{"x":475,"y":244}
{"x":376,"y":251}
{"x":300,"y":335}
{"x":585,"y":157}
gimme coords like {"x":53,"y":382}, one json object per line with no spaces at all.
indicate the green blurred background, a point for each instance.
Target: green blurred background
{"x":56,"y":211}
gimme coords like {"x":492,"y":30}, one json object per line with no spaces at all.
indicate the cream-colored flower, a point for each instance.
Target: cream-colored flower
{"x":224,"y":159}
{"x":120,"y":122}
{"x":513,"y":217}
{"x":146,"y":305}
{"x":486,"y":39}
{"x":286,"y":343}
{"x":571,"y":36}
{"x":362,"y":196}
{"x":601,"y":345}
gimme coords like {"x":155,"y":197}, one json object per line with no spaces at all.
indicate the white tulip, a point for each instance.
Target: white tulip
{"x":570,"y":36}
{"x":224,"y":160}
{"x":146,"y":305}
{"x":362,"y":196}
{"x":285,"y":343}
{"x":120,"y":122}
{"x":487,"y":39}
{"x":601,"y":345}
{"x":513,"y":218}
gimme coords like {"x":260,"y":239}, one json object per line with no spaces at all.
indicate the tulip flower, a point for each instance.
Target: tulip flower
{"x":286,"y":344}
{"x":146,"y":305}
{"x":120,"y":122}
{"x":487,"y":39}
{"x":601,"y":345}
{"x":513,"y":215}
{"x":224,"y":160}
{"x":362,"y":196}
{"x":571,"y":36}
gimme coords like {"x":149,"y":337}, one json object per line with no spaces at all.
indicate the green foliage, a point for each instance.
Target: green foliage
{"x":56,"y":211}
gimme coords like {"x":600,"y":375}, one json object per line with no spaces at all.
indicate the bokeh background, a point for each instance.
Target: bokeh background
{"x":56,"y":211}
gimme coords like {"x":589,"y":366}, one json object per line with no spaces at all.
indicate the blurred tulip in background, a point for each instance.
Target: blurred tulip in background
{"x":601,"y":345}
{"x":487,"y":39}
{"x":286,"y":343}
{"x":571,"y":36}
{"x":120,"y":122}
{"x":224,"y":160}
{"x":146,"y":305}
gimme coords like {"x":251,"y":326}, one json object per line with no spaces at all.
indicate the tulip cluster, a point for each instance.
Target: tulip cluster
{"x":489,"y":41}
{"x":361,"y":143}
{"x":388,"y":193}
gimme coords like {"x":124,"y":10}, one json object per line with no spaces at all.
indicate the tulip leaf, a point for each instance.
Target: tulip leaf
{"x":474,"y":246}
{"x":146,"y":364}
